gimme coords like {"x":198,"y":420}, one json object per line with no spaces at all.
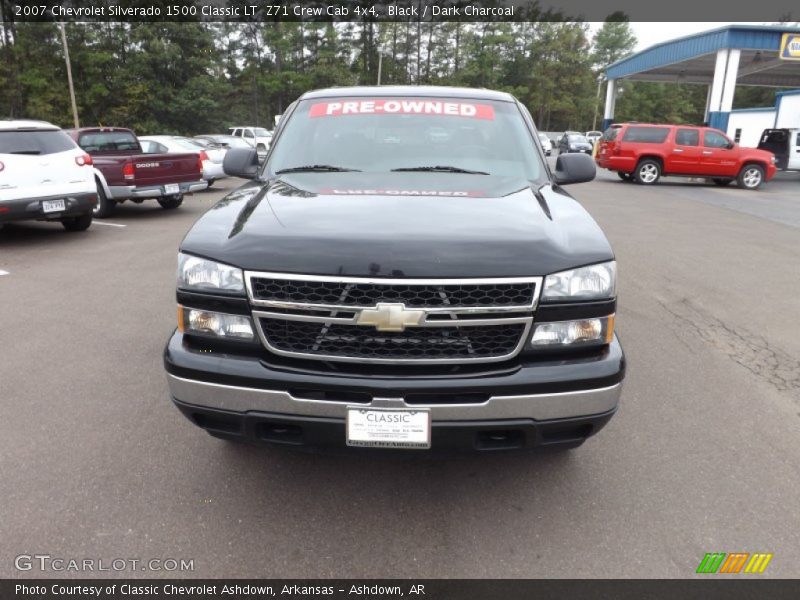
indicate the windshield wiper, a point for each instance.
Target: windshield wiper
{"x":314,"y":168}
{"x":442,"y":169}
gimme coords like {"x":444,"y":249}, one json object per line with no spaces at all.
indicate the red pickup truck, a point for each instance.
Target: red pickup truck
{"x":643,"y":152}
{"x":123,"y":172}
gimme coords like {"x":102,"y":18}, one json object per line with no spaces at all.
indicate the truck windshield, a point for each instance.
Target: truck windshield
{"x":383,"y":134}
{"x":108,"y":141}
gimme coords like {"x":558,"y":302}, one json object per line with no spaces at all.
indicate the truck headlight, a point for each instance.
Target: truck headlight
{"x":594,"y":331}
{"x":594,"y":282}
{"x":206,"y":275}
{"x":214,"y":324}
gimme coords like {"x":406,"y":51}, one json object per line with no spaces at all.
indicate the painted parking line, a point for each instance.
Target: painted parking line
{"x":3,"y":272}
{"x":109,"y":224}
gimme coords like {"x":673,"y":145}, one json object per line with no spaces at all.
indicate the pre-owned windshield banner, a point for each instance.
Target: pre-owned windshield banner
{"x":402,"y":106}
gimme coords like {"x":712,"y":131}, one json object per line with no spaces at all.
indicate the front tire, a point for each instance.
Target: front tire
{"x":648,"y":172}
{"x":104,"y":207}
{"x":80,"y":223}
{"x":750,"y":177}
{"x":171,"y":202}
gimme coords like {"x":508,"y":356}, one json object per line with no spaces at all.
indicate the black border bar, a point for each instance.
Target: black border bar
{"x":763,"y":11}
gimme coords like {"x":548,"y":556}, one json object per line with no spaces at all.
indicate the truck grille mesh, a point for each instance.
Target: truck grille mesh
{"x":368,"y":294}
{"x":337,"y":340}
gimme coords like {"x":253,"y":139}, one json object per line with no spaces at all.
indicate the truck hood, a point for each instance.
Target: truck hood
{"x":399,"y":225}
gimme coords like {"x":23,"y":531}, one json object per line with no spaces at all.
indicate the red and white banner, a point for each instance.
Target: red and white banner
{"x":402,"y":106}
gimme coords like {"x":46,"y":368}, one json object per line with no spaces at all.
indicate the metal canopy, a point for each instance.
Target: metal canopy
{"x":692,"y":59}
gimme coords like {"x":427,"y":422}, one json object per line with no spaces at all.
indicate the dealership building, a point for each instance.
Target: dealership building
{"x":721,"y":59}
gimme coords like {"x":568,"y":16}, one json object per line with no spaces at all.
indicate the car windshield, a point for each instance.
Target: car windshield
{"x":576,"y":138}
{"x":385,"y":134}
{"x":186,"y":144}
{"x":232,"y":142}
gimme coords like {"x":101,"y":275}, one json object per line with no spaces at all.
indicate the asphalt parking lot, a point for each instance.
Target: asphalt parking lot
{"x":703,"y":456}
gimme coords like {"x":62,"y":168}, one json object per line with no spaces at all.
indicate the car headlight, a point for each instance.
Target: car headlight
{"x":594,"y":282}
{"x":591,"y":332}
{"x":214,"y":324}
{"x":206,"y":275}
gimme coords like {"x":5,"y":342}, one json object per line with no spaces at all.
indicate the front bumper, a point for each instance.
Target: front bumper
{"x":30,"y":209}
{"x":124,"y":192}
{"x":551,"y":401}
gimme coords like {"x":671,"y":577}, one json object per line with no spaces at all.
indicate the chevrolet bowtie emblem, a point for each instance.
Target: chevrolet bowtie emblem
{"x":387,"y":316}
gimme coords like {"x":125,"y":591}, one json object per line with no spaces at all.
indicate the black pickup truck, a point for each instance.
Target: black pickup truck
{"x":405,"y":272}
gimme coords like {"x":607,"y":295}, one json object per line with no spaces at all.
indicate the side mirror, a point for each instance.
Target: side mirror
{"x":574,"y":168}
{"x":241,"y":162}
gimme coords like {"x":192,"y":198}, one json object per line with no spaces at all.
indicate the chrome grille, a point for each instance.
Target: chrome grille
{"x":392,"y":320}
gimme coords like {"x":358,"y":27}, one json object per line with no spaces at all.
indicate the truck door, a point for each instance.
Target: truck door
{"x":717,"y":156}
{"x":779,"y":142}
{"x":684,"y":156}
{"x":794,"y":152}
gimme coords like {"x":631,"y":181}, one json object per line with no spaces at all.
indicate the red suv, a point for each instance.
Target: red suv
{"x":644,"y":152}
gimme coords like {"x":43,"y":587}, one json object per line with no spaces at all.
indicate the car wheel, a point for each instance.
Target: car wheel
{"x":104,"y":206}
{"x":721,"y":182}
{"x":624,"y":176}
{"x":211,"y":182}
{"x":171,"y":202}
{"x":751,"y":177}
{"x":648,"y":172}
{"x":80,"y":223}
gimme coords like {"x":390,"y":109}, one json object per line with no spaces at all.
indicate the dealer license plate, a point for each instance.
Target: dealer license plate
{"x":388,"y":428}
{"x":172,"y":188}
{"x":50,"y":206}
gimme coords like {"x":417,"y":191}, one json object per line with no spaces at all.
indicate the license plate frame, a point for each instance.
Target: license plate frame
{"x":390,"y":432}
{"x":171,"y":189}
{"x":54,"y":206}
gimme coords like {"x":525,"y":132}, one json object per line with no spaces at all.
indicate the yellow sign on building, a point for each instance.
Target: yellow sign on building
{"x":790,"y":46}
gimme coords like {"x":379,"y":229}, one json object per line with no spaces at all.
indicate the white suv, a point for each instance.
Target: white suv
{"x":258,"y":137}
{"x":44,"y":176}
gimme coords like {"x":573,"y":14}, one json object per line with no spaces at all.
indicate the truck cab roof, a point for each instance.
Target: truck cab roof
{"x":410,"y":91}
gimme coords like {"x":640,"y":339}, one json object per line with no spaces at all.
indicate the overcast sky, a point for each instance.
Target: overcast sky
{"x":654,"y":33}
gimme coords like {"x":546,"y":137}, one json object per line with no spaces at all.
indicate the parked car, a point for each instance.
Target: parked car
{"x":594,"y":136}
{"x":785,"y":145}
{"x":644,"y":152}
{"x":169,"y":144}
{"x":371,"y":288}
{"x":547,"y":144}
{"x":44,"y":176}
{"x":574,"y":142}
{"x":123,"y":172}
{"x":258,"y":137}
{"x":223,"y":140}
